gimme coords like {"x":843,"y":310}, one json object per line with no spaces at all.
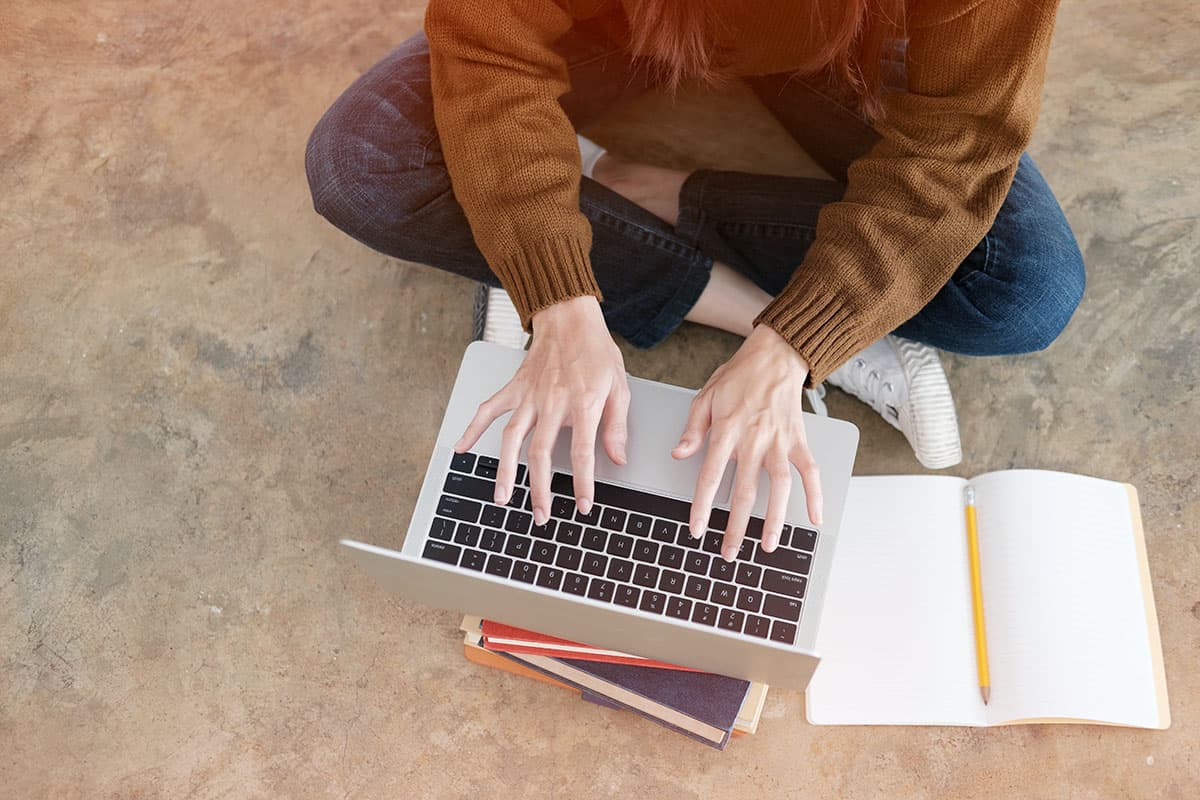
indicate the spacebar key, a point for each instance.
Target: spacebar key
{"x":629,"y":499}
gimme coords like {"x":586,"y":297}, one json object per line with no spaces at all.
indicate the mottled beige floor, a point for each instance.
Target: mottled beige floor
{"x":202,"y":385}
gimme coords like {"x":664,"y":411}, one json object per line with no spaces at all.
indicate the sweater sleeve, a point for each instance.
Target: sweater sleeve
{"x":509,"y":147}
{"x":929,"y":190}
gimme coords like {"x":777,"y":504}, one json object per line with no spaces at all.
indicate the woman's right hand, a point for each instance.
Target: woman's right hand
{"x":573,"y":376}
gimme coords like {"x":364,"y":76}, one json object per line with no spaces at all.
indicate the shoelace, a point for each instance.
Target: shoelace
{"x":871,"y":387}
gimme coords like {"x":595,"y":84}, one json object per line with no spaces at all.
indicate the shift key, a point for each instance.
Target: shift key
{"x":784,"y":558}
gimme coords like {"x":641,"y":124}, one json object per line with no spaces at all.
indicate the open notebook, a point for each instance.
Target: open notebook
{"x":1071,"y":626}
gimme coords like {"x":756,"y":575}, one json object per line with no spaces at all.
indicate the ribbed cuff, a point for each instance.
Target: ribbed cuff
{"x":546,"y":273}
{"x":818,"y":324}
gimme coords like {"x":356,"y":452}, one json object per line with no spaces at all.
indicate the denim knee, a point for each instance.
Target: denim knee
{"x":373,"y":160}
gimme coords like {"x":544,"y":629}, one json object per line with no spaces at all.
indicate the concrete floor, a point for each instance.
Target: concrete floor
{"x":202,"y":385}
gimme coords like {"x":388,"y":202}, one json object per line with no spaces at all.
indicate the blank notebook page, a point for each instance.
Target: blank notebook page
{"x":1065,"y":607}
{"x":896,"y":638}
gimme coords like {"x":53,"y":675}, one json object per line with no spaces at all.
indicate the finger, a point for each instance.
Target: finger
{"x":497,"y":405}
{"x":615,"y":422}
{"x":745,"y":492}
{"x":510,"y":449}
{"x":781,"y":491}
{"x":584,"y":422}
{"x":804,"y":462}
{"x":698,"y":422}
{"x":711,"y":472}
{"x":541,"y":447}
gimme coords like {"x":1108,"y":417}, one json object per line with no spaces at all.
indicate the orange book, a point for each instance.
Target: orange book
{"x":510,"y":639}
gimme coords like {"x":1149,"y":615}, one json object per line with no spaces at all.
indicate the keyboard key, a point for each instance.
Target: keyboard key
{"x":654,"y":602}
{"x":638,"y":525}
{"x":462,"y":462}
{"x":730,"y":620}
{"x":696,"y":562}
{"x":613,"y":519}
{"x":518,"y":498}
{"x":593,"y":539}
{"x":518,"y":522}
{"x":524,"y":572}
{"x":645,"y":550}
{"x":627,"y":596}
{"x":781,"y":607}
{"x":467,"y":534}
{"x":719,"y":519}
{"x":441,"y":529}
{"x":459,"y":508}
{"x":670,"y":556}
{"x":783,"y":632}
{"x":785,"y":559}
{"x":498,"y":565}
{"x":522,"y":474}
{"x":664,"y":531}
{"x":704,"y":614}
{"x":723,"y":594}
{"x":543,"y":552}
{"x":645,"y":575}
{"x":568,"y":557}
{"x":620,"y":569}
{"x":492,"y":539}
{"x":722,"y":570}
{"x":803,"y":539}
{"x":749,"y":599}
{"x":486,"y":467}
{"x":562,"y":507}
{"x":440,"y":551}
{"x":671,"y":581}
{"x":754,"y":528}
{"x":473,"y":559}
{"x":697,"y":588}
{"x":757,"y":626}
{"x":713,"y":541}
{"x":748,"y":574}
{"x":685,"y":539}
{"x":549,"y":578}
{"x":783,"y":583}
{"x":575,"y":584}
{"x":517,"y":546}
{"x":467,"y":486}
{"x":544,"y":531}
{"x":746,"y":550}
{"x":620,"y":545}
{"x":568,"y":533}
{"x":492,"y":516}
{"x":610,"y":495}
{"x":590,"y":518}
{"x":601,"y":590}
{"x":594,"y":563}
{"x":679,"y":608}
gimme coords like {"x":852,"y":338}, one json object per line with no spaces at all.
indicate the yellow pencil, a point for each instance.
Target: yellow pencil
{"x":981,"y":655}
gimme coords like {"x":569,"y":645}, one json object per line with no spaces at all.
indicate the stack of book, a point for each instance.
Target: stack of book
{"x":709,"y":708}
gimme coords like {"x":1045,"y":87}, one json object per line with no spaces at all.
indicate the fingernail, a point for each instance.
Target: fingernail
{"x":501,"y":496}
{"x":770,"y":543}
{"x":539,"y":516}
{"x":729,"y":553}
{"x":585,"y":505}
{"x":695,"y":532}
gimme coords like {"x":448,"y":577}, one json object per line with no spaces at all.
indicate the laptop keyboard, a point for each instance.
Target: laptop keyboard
{"x":633,"y":549}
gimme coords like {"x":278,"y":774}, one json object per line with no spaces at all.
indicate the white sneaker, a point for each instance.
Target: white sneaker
{"x":496,"y":319}
{"x":903,"y":380}
{"x":589,"y":154}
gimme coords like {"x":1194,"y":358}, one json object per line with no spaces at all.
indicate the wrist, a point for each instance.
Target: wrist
{"x":766,"y":338}
{"x":568,"y":314}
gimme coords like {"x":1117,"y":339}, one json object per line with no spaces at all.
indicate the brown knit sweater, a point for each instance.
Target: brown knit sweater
{"x":914,"y":206}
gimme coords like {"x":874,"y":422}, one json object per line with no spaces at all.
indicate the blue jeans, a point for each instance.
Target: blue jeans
{"x":376,"y":171}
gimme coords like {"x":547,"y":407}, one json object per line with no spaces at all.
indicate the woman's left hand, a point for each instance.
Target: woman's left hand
{"x":750,"y":409}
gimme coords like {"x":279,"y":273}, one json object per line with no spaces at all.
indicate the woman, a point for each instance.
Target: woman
{"x":459,"y":150}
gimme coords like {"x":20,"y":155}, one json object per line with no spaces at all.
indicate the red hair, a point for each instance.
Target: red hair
{"x":847,"y":39}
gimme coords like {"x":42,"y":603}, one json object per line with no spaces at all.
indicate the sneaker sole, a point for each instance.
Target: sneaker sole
{"x":936,"y":442}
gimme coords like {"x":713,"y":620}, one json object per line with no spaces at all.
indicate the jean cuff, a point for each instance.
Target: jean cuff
{"x":672,"y":314}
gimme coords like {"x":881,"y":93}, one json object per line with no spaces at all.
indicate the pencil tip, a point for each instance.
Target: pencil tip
{"x":986,"y":691}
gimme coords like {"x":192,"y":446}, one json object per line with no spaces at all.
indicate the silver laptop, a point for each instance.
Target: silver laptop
{"x":628,"y":575}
